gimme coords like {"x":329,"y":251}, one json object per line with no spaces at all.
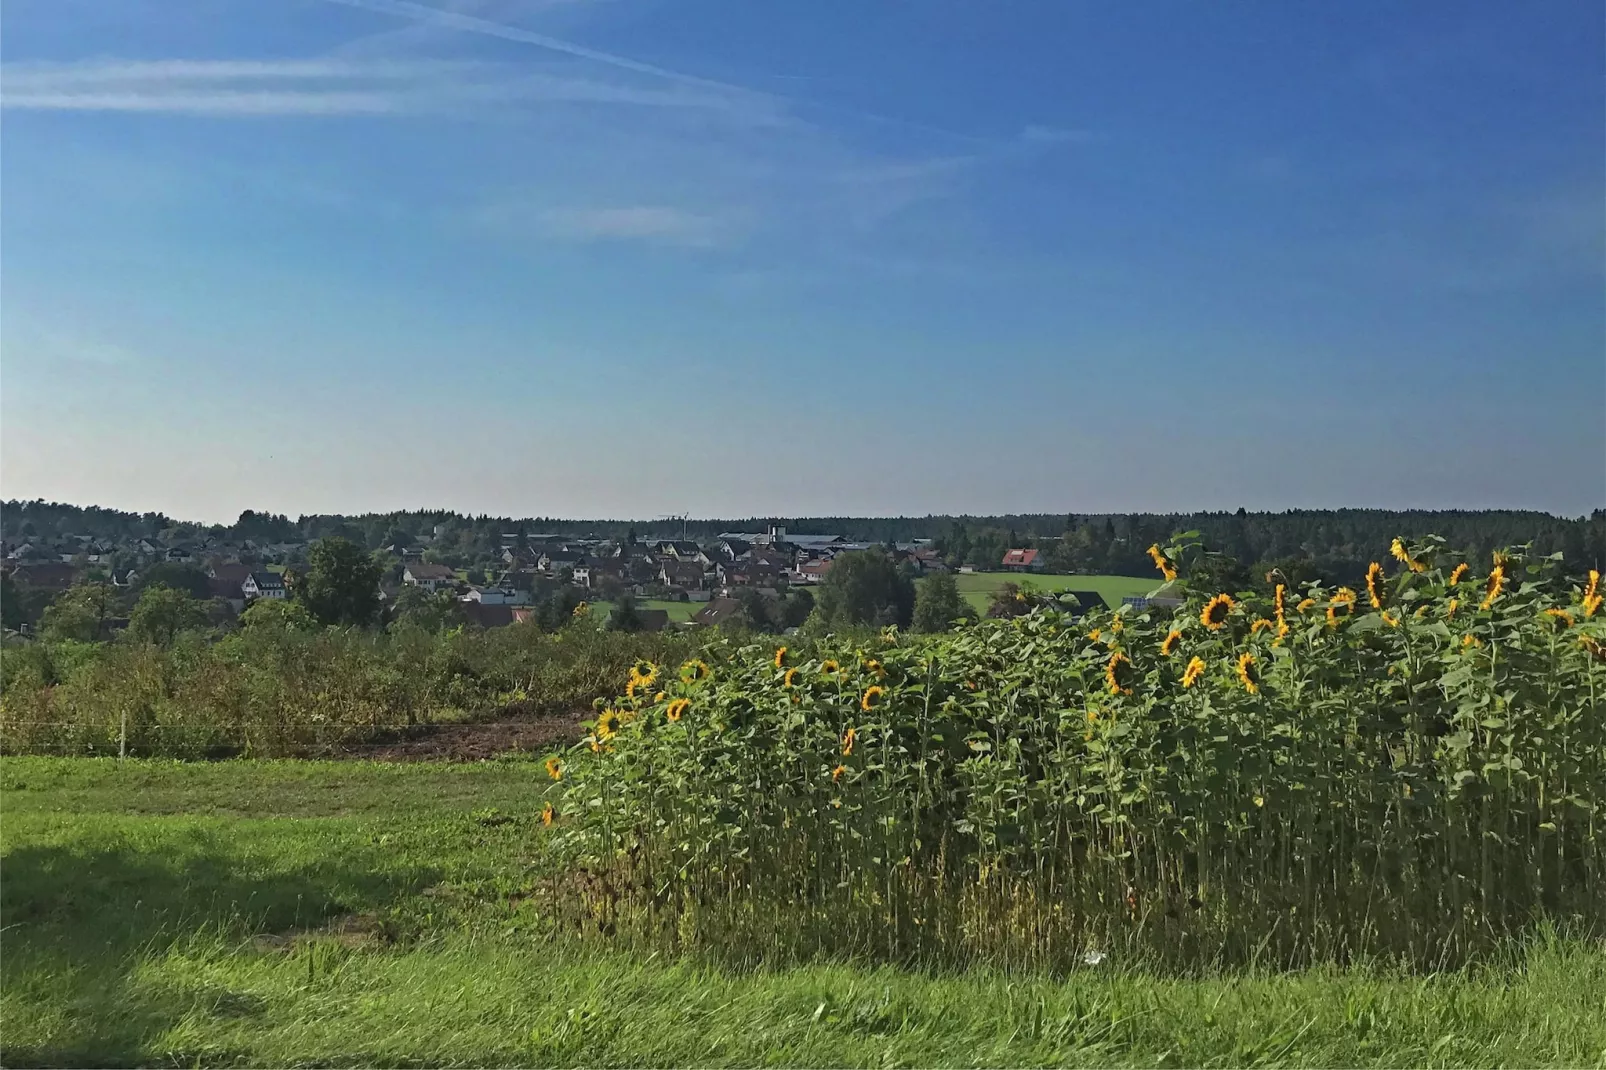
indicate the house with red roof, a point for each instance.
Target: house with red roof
{"x":1024,"y":561}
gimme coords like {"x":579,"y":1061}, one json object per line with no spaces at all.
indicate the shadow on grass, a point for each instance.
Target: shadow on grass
{"x":79,"y":921}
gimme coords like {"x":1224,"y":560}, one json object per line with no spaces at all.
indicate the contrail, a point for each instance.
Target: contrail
{"x":408,"y":9}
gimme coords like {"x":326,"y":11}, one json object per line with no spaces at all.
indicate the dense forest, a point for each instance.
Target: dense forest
{"x":1320,"y":543}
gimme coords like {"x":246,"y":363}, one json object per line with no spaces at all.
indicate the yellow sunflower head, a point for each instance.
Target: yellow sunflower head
{"x":547,"y":814}
{"x":1470,"y":640}
{"x":829,"y":667}
{"x":789,"y":679}
{"x":1591,"y":604}
{"x":872,"y":697}
{"x":554,"y":768}
{"x":1260,"y":625}
{"x":581,"y":609}
{"x":1277,"y":597}
{"x":1496,"y":584}
{"x":607,"y":724}
{"x":1169,"y":644}
{"x":1456,"y":573}
{"x":1593,"y":587}
{"x":1305,"y":605}
{"x":836,"y":774}
{"x":1215,"y":613}
{"x":1247,"y":674}
{"x":1118,"y":674}
{"x":780,"y":657}
{"x":1166,"y":568}
{"x":1195,"y":669}
{"x":875,"y":668}
{"x":645,"y":673}
{"x":676,"y":709}
{"x":1390,"y":619}
{"x":1560,"y":618}
{"x":1342,"y":605}
{"x":848,"y":739}
{"x":694,"y":671}
{"x":1374,"y":584}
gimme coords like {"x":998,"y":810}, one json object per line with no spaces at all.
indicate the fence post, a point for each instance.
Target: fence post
{"x":122,"y":735}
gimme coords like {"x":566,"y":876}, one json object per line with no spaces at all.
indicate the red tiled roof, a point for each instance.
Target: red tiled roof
{"x":1020,"y":557}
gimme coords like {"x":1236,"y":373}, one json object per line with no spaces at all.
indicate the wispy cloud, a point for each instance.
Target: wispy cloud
{"x":653,"y":223}
{"x":318,"y":86}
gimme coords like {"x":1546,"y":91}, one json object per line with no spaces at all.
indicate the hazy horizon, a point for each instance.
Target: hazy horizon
{"x":616,"y":257}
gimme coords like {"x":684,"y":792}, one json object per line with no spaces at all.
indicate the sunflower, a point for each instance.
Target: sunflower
{"x":1470,"y":640}
{"x":1115,"y":676}
{"x":1172,"y":638}
{"x":780,"y":657}
{"x":1374,"y":584}
{"x":1390,"y":619}
{"x":1561,"y":618}
{"x":1195,"y":669}
{"x":580,"y":609}
{"x":872,"y":698}
{"x":659,"y":697}
{"x":1591,"y":604}
{"x":1247,"y":674}
{"x":1341,"y":597}
{"x":677,"y":708}
{"x":694,"y":671}
{"x":848,"y":739}
{"x":875,"y":668}
{"x":1403,"y":556}
{"x":1421,"y":612}
{"x":1592,"y":596}
{"x":836,"y":774}
{"x":1214,"y":614}
{"x":1092,"y":716}
{"x":1260,"y":625}
{"x":1160,"y":562}
{"x":789,"y":679}
{"x":1496,"y":584}
{"x":554,"y":768}
{"x":645,"y":673}
{"x":829,"y":667}
{"x":547,"y":814}
{"x":1456,"y":573}
{"x":607,"y":724}
{"x":632,"y":687}
{"x":1305,"y":605}
{"x":1451,"y":607}
{"x":1277,"y":597}
{"x":1093,"y":636}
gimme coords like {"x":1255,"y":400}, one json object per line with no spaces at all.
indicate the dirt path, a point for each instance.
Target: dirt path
{"x":471,"y":742}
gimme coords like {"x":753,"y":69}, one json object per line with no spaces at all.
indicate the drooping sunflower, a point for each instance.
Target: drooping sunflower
{"x":836,"y":774}
{"x":1342,"y":597}
{"x":676,"y":709}
{"x":1403,"y":556}
{"x":1496,"y":584}
{"x":1195,"y":669}
{"x":554,"y":768}
{"x":1169,"y":644}
{"x":547,"y":814}
{"x":1456,"y":574}
{"x":1247,"y":674}
{"x":1305,"y":605}
{"x":1374,"y":584}
{"x":1118,"y":674}
{"x":849,"y":737}
{"x":1421,"y":612}
{"x":694,"y":671}
{"x":1260,"y":624}
{"x":1390,"y":619}
{"x":1214,"y":615}
{"x":607,"y":724}
{"x":829,"y":667}
{"x":789,"y":679}
{"x":780,"y":657}
{"x":1166,"y":568}
{"x":1560,"y":618}
{"x":872,"y":697}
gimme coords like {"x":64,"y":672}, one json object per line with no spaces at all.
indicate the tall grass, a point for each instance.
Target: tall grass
{"x":268,"y":691}
{"x":1414,"y":771}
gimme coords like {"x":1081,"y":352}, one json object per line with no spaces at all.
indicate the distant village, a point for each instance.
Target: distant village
{"x":714,"y":572}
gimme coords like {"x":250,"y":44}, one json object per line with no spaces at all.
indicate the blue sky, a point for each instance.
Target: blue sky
{"x":633,"y":257}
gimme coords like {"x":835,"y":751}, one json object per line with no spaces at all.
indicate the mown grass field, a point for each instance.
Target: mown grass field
{"x":977,"y":587}
{"x":275,"y":913}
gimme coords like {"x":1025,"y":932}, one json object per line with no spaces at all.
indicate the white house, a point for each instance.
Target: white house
{"x":497,"y":596}
{"x":263,"y":585}
{"x":431,"y":578}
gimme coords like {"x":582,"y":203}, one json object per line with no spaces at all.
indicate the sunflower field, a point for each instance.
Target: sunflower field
{"x":1414,"y":769}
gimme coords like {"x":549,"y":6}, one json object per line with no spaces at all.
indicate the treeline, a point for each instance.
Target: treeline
{"x":1328,"y":543}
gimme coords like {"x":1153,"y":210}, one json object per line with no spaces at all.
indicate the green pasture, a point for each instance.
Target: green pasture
{"x":978,"y":587}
